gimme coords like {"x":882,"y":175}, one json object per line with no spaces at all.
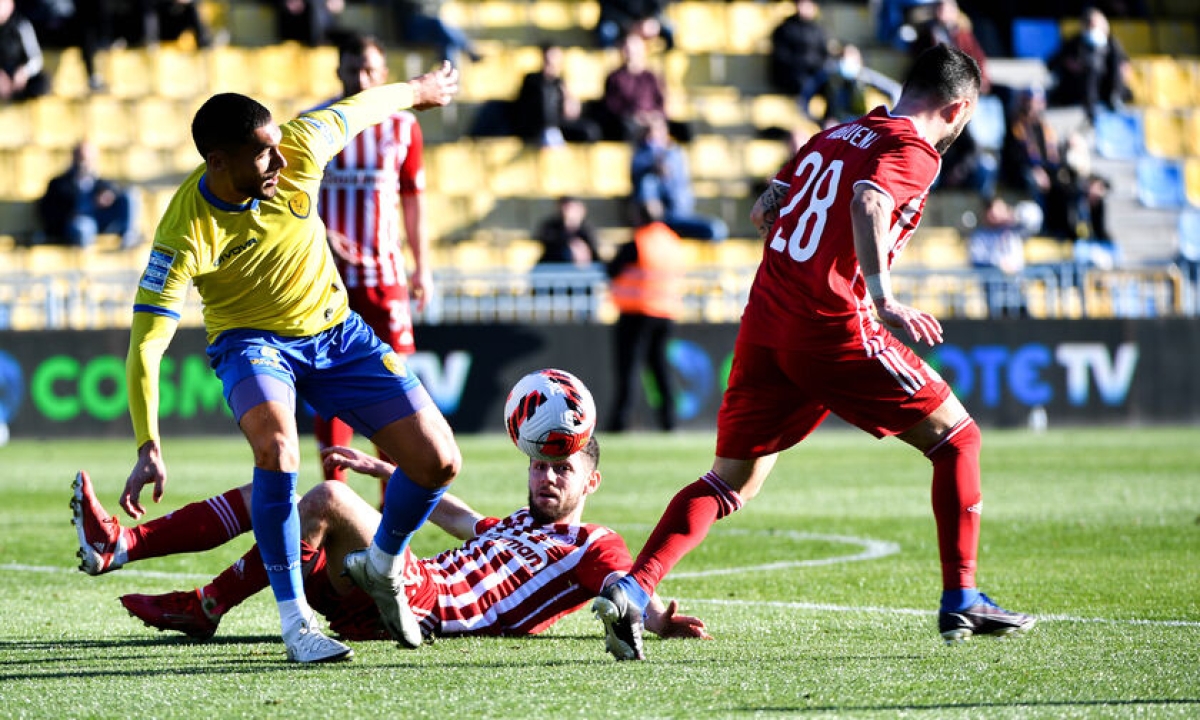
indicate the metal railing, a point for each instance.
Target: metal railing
{"x":80,"y":299}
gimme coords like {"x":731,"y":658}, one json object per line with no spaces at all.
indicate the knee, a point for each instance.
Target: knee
{"x":278,"y":452}
{"x":962,"y":439}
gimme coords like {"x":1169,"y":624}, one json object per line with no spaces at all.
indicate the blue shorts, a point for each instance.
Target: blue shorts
{"x":344,"y":372}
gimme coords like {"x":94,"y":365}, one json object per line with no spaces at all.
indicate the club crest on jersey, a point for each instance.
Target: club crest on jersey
{"x":395,"y":364}
{"x":269,"y":357}
{"x":300,"y":204}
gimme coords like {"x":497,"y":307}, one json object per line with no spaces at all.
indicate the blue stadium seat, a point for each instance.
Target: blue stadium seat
{"x":1189,"y":235}
{"x":988,"y":125}
{"x":1160,"y":182}
{"x":1119,"y":135}
{"x":1035,"y":37}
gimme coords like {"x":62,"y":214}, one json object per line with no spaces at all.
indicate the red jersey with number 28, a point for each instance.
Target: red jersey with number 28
{"x":809,"y":292}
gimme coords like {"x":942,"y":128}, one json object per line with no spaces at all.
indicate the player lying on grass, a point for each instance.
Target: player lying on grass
{"x":512,"y":576}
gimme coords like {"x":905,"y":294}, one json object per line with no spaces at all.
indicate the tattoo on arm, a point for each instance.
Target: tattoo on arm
{"x":768,"y":204}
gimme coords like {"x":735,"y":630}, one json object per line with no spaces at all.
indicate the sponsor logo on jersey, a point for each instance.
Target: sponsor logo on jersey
{"x":235,"y":251}
{"x":529,"y":545}
{"x":154,"y":278}
{"x":300,"y":204}
{"x":395,"y":364}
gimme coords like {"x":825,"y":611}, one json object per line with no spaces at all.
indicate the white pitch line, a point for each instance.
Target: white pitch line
{"x":872,"y":550}
{"x":825,"y":607}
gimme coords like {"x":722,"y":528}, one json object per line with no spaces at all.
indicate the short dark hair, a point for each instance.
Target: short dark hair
{"x":943,"y":74}
{"x":592,"y":450}
{"x":226,"y":121}
{"x":357,"y":44}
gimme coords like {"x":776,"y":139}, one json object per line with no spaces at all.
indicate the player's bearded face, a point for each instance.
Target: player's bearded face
{"x":556,"y":487}
{"x":255,"y":170}
{"x":954,"y":131}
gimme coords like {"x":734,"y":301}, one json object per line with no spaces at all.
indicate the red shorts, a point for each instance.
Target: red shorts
{"x":386,"y":310}
{"x":776,"y":398}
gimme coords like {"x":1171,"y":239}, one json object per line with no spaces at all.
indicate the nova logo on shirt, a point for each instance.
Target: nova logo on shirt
{"x":529,"y":546}
{"x":235,"y":251}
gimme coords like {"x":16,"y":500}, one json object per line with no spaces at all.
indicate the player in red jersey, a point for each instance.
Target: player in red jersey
{"x":833,"y":220}
{"x":512,"y":576}
{"x":373,"y":182}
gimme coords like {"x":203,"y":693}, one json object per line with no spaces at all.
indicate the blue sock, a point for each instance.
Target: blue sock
{"x":406,"y":506}
{"x":636,"y":594}
{"x":956,"y":600}
{"x":277,"y":530}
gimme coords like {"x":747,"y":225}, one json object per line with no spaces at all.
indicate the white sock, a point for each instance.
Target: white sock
{"x":385,"y":563}
{"x":294,"y":613}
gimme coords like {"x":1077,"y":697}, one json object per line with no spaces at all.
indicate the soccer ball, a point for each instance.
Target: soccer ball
{"x":549,"y":414}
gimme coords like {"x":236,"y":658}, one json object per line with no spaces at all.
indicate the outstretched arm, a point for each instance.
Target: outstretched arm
{"x":450,"y":514}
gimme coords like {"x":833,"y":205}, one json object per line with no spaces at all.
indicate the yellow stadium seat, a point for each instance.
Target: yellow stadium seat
{"x":1043,"y":250}
{"x":509,"y":167}
{"x":1163,"y":130}
{"x":232,"y":69}
{"x":1176,"y":38}
{"x":17,"y":121}
{"x":57,"y":122}
{"x":751,"y":24}
{"x":276,"y":67}
{"x":162,"y":123}
{"x":584,"y":72}
{"x":127,"y":72}
{"x":252,"y":24}
{"x":179,"y":73}
{"x":609,"y":165}
{"x":1191,"y":132}
{"x":764,"y":158}
{"x":108,"y":121}
{"x":699,"y":26}
{"x":1171,"y":83}
{"x":322,"y":65}
{"x":1191,"y":181}
{"x":69,"y":76}
{"x":1134,"y":35}
{"x":719,"y":107}
{"x":783,"y":111}
{"x":713,"y":157}
{"x":564,"y":171}
{"x":521,"y":255}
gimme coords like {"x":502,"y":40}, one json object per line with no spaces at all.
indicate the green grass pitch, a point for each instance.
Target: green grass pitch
{"x":820,"y":593}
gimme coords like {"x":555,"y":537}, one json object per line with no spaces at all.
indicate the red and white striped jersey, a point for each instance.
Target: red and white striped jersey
{"x":515,"y":577}
{"x":360,"y":199}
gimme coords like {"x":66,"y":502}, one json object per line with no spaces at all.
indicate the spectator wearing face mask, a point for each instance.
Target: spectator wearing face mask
{"x":843,"y":84}
{"x":1091,"y":69}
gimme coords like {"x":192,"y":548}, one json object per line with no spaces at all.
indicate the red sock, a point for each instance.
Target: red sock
{"x":683,"y":526}
{"x":332,"y":432}
{"x":192,"y":528}
{"x":244,"y":578}
{"x":957,"y":503}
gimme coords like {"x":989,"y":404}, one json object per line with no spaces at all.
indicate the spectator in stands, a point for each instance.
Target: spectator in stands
{"x":634,"y":95}
{"x":420,"y":23}
{"x":21,"y":75}
{"x":79,"y":204}
{"x":997,"y":246}
{"x":843,"y":84}
{"x":646,"y":18}
{"x":567,"y":238}
{"x":67,"y":23}
{"x":545,"y":112}
{"x":1031,"y":161}
{"x":799,"y":49}
{"x":659,"y":174}
{"x":309,"y":22}
{"x":949,"y":26}
{"x":1091,"y":69}
{"x":645,"y":288}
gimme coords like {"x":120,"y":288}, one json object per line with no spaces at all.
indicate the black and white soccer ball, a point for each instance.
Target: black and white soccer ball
{"x":550,"y":414}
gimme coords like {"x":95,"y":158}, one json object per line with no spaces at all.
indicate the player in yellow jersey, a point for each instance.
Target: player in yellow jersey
{"x":244,"y":229}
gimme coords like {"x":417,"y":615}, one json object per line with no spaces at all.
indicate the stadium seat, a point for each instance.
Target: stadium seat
{"x":1119,"y":135}
{"x":276,"y":68}
{"x":610,"y":168}
{"x":1160,"y":182}
{"x":1135,"y":35}
{"x":1163,"y":132}
{"x":1176,"y":38}
{"x":1191,"y":180}
{"x":162,"y":123}
{"x":178,"y":73}
{"x":764,"y":158}
{"x":108,"y":121}
{"x":17,"y":121}
{"x":1035,"y":37}
{"x":712,"y":157}
{"x":232,"y":69}
{"x":252,"y":24}
{"x":1171,"y":83}
{"x":57,"y":122}
{"x":69,"y":76}
{"x":564,"y":170}
{"x":700,"y":27}
{"x":1191,"y":132}
{"x":127,"y":71}
{"x":1189,"y":235}
{"x":989,"y":124}
{"x":751,"y":24}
